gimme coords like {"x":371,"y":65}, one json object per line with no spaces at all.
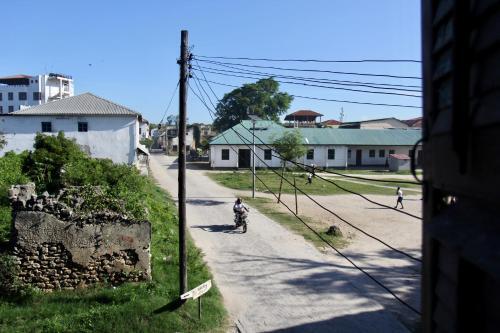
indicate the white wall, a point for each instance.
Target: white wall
{"x":385,"y":123}
{"x":144,"y":130}
{"x":216,"y":157}
{"x":367,"y":160}
{"x":113,"y":137}
{"x":321,"y":156}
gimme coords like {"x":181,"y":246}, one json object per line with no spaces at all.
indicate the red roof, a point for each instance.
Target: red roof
{"x":400,"y":156}
{"x":415,"y":122}
{"x":332,"y":122}
{"x":305,"y":113}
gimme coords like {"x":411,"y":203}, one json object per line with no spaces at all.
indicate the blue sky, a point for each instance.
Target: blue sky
{"x":126,"y":51}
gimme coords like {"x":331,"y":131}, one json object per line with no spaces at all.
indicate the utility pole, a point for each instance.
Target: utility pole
{"x":253,"y":159}
{"x":341,"y":114}
{"x":183,"y":62}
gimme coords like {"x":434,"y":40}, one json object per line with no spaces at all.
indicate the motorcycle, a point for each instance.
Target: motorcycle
{"x":241,"y":220}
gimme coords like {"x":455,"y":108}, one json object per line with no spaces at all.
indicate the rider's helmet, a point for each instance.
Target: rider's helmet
{"x":238,"y":201}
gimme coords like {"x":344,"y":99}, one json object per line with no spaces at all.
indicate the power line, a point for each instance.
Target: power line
{"x":327,"y":99}
{"x":314,"y":70}
{"x":311,"y":60}
{"x":321,"y":80}
{"x":316,"y":233}
{"x":314,"y":85}
{"x":170,"y":102}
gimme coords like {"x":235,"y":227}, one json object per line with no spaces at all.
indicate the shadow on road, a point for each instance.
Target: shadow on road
{"x":360,"y":322}
{"x":204,"y":202}
{"x":225,"y":228}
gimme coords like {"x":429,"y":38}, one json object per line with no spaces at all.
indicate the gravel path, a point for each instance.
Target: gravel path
{"x":271,"y":279}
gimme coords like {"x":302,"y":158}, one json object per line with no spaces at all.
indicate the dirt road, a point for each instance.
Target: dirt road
{"x":271,"y":279}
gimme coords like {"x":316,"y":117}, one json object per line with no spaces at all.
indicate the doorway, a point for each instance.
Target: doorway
{"x":358,"y":156}
{"x":244,"y":158}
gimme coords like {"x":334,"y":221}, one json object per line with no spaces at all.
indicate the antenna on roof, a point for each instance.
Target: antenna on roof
{"x":341,"y":114}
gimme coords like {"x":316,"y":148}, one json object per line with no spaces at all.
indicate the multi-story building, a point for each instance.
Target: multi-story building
{"x":21,"y":91}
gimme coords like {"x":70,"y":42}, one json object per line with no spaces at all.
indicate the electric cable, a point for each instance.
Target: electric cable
{"x":315,"y":85}
{"x":373,"y":85}
{"x":312,"y":70}
{"x":169,"y":103}
{"x":311,"y":60}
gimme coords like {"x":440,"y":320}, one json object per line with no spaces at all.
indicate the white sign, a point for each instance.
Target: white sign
{"x":198,"y":291}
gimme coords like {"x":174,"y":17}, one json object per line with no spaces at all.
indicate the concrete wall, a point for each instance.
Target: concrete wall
{"x":55,"y":248}
{"x":110,"y":137}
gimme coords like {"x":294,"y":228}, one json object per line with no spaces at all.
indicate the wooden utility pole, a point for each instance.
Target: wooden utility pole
{"x":183,"y":62}
{"x":296,"y":203}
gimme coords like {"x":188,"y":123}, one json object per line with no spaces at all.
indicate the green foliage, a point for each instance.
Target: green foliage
{"x":290,"y":145}
{"x":2,"y":141}
{"x":147,"y":142}
{"x":261,"y":98}
{"x":45,"y":164}
{"x":10,"y":174}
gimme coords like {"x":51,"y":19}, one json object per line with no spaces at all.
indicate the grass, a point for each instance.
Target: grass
{"x":271,"y":209}
{"x":375,"y":172}
{"x":129,"y":307}
{"x":242,"y":180}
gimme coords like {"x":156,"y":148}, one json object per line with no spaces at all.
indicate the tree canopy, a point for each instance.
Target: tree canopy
{"x":2,"y":141}
{"x":290,"y":145}
{"x":261,"y":98}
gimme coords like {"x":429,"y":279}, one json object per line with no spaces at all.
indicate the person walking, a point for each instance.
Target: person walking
{"x":399,"y":193}
{"x":309,"y":178}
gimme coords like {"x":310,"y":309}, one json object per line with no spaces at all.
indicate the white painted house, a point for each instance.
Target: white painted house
{"x":144,"y":129}
{"x":382,"y":123}
{"x":102,"y":128}
{"x":22,"y":91}
{"x":326,"y":147}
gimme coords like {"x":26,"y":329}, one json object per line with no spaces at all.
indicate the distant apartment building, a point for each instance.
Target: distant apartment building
{"x":21,"y":91}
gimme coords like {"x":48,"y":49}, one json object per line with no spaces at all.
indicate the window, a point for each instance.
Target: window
{"x":83,"y":127}
{"x":267,"y":154}
{"x":372,"y":153}
{"x":10,"y":96}
{"x":392,"y":151}
{"x":11,"y":108}
{"x":310,"y":154}
{"x":140,"y":131}
{"x":1,"y":109}
{"x":46,"y":126}
{"x":23,"y":96}
{"x":1,"y":96}
{"x":381,"y":153}
{"x":225,"y":154}
{"x":37,"y":96}
{"x":410,"y":152}
{"x":349,"y":153}
{"x":331,"y":154}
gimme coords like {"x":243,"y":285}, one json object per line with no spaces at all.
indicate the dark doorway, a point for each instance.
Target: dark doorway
{"x":358,"y":157}
{"x":244,"y":158}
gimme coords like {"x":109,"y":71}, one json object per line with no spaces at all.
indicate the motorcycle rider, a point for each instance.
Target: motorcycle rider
{"x":239,"y":209}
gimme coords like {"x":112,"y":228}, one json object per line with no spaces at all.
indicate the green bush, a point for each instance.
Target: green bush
{"x":10,"y":173}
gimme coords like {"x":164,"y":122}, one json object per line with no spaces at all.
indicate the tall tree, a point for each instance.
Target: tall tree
{"x":262,"y":98}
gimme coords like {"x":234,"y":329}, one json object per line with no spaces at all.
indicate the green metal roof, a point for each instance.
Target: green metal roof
{"x":268,"y":131}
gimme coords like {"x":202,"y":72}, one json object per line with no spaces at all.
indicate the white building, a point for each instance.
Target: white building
{"x":21,"y":91}
{"x":102,"y":128}
{"x":326,"y":147}
{"x":144,"y":129}
{"x":383,"y":123}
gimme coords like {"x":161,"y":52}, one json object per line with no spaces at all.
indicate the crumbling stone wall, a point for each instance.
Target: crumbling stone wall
{"x":56,"y":247}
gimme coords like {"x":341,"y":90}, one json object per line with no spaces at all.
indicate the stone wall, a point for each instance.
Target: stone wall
{"x":57,"y":247}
